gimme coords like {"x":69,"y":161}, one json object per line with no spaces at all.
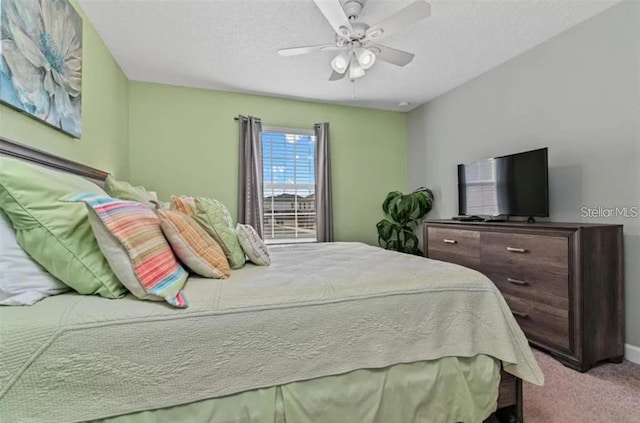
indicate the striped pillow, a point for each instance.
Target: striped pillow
{"x":215,"y":219}
{"x":184,"y":204}
{"x":252,"y":245}
{"x":193,"y":246}
{"x":130,"y":237}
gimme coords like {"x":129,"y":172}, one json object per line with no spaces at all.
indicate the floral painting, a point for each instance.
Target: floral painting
{"x":41,"y":61}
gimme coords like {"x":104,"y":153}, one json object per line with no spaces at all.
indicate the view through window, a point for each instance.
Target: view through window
{"x":288,"y":165}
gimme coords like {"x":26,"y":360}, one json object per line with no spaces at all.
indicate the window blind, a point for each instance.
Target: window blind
{"x":288,"y":164}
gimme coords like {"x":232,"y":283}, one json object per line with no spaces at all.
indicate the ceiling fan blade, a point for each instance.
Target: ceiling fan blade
{"x":334,"y":13}
{"x":400,"y":20}
{"x":296,"y":51}
{"x":392,"y":55}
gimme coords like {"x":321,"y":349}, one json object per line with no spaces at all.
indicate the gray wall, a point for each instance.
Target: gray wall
{"x":579,"y":95}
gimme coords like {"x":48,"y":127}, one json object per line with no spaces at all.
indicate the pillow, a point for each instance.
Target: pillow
{"x":125,"y":191}
{"x":56,"y":234}
{"x":252,"y":245}
{"x":184,"y":204}
{"x":22,"y":280}
{"x":193,"y":246}
{"x":215,"y":219}
{"x":130,"y":237}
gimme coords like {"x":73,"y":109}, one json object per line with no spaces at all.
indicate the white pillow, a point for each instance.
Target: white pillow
{"x":22,"y":280}
{"x":252,"y":245}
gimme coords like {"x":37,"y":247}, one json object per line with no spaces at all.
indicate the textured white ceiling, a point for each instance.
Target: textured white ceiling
{"x":231,"y":44}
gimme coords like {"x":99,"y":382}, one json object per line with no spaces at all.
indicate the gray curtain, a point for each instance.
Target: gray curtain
{"x":324,"y":201}
{"x":250,"y":199}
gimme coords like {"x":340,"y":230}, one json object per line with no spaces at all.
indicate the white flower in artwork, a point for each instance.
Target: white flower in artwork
{"x":42,"y":49}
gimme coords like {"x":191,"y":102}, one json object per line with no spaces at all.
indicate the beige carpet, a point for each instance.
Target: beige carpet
{"x":607,"y":394}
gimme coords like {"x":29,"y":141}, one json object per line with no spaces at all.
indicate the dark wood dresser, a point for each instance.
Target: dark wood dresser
{"x":564,"y":282}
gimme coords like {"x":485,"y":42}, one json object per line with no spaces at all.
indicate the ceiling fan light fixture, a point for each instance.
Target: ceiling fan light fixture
{"x":357,"y":41}
{"x":365,"y":57}
{"x":355,"y":69}
{"x":340,"y":63}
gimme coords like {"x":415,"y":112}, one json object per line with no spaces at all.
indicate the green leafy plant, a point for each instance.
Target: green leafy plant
{"x":403,"y":214}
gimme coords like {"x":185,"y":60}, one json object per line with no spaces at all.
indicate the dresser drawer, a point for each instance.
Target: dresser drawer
{"x":536,"y":253}
{"x":543,"y":323}
{"x":545,"y":288}
{"x":456,"y":241}
{"x":459,"y":246}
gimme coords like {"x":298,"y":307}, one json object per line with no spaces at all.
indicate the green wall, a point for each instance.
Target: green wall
{"x":104,"y":142}
{"x":185,"y":141}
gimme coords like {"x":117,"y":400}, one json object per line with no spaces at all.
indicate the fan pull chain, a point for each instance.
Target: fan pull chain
{"x":353,"y":93}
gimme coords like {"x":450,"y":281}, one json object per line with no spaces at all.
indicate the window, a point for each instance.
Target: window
{"x":288,"y":168}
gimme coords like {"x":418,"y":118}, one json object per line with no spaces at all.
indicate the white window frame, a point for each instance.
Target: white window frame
{"x":269,"y":186}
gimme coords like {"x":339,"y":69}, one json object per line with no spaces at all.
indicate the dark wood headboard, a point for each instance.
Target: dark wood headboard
{"x":11,"y":148}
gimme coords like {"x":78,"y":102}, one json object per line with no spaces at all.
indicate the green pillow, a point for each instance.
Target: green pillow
{"x":53,"y":232}
{"x":125,"y":191}
{"x":214,"y":217}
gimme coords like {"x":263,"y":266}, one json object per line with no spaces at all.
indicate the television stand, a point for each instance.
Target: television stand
{"x":531,"y":220}
{"x":564,"y":282}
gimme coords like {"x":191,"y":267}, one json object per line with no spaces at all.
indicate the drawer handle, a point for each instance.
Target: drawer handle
{"x":517,"y":281}
{"x":516,"y":250}
{"x":520,"y":314}
{"x":450,"y":241}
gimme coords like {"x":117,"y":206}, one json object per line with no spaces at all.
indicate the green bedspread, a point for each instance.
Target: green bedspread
{"x":439,"y":391}
{"x":319,"y":310}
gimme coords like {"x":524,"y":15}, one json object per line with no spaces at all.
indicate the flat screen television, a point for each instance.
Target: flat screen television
{"x":513,"y":185}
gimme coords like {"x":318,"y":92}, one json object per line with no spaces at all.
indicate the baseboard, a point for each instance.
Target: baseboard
{"x":632,"y":353}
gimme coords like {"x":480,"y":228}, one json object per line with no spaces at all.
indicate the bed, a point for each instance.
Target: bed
{"x":334,"y":332}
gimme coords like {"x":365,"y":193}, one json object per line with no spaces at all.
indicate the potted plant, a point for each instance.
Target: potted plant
{"x":403,"y":214}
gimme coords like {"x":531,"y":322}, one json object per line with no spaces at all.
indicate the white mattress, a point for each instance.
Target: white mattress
{"x":319,"y":309}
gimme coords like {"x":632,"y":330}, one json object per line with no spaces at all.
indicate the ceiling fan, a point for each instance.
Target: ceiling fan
{"x":357,"y":41}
